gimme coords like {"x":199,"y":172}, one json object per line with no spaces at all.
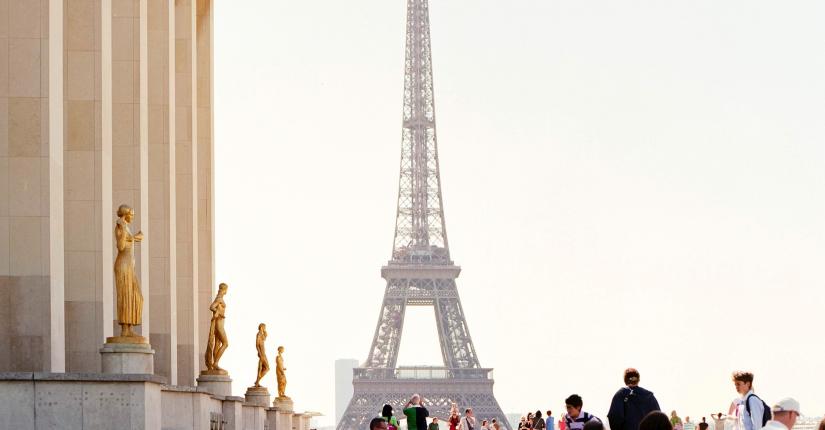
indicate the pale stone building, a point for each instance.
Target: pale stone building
{"x":104,"y":102}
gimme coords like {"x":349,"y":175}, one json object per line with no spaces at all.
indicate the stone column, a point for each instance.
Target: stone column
{"x":205,"y":166}
{"x":162,"y":188}
{"x":189,"y":351}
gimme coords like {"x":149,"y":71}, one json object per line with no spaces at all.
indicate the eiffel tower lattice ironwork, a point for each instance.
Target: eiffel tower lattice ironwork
{"x":420,"y":272}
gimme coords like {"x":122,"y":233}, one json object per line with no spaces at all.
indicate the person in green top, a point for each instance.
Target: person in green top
{"x":416,"y":413}
{"x":433,"y":425}
{"x":675,"y":420}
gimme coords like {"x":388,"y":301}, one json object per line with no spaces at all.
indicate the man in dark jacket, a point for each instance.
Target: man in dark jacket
{"x":631,"y":403}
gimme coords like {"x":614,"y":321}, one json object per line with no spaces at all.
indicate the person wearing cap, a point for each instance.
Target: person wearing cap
{"x":785,"y":413}
{"x":631,"y":403}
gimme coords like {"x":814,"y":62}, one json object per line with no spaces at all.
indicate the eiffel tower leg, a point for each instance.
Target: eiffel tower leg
{"x":456,"y":342}
{"x":387,"y":339}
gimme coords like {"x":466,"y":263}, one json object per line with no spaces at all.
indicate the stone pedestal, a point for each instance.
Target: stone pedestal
{"x":283,"y":404}
{"x":258,"y":396}
{"x":127,"y":358}
{"x":300,"y":421}
{"x":217,"y":384}
{"x":280,"y":416}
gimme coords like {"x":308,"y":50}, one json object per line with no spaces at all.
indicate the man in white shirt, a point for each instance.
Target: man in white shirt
{"x":751,"y":407}
{"x":468,"y":422}
{"x":785,"y":413}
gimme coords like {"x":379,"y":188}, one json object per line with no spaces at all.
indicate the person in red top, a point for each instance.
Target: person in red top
{"x":455,"y":418}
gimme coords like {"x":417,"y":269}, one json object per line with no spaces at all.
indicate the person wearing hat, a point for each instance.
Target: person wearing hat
{"x":631,"y":403}
{"x":785,"y":413}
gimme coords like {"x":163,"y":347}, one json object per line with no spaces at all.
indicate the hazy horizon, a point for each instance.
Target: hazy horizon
{"x":625,"y":184}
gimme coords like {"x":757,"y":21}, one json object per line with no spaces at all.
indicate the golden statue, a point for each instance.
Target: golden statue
{"x":280,"y":372}
{"x":129,"y":298}
{"x":217,"y":342}
{"x":263,"y":363}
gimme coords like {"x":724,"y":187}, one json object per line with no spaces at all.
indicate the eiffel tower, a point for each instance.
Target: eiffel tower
{"x":420,"y":272}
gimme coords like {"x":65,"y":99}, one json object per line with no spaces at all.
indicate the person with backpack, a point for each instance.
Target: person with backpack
{"x":575,"y":419}
{"x":631,"y":403}
{"x":753,"y":411}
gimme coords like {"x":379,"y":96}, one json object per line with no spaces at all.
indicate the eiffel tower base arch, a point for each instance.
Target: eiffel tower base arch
{"x":370,"y":395}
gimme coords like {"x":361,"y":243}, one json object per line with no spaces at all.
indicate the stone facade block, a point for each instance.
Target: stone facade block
{"x":24,"y":67}
{"x":24,"y":127}
{"x":16,"y":404}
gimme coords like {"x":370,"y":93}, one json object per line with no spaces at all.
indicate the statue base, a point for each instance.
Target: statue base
{"x":121,"y":358}
{"x":217,"y":384}
{"x":127,"y":339}
{"x":258,"y":396}
{"x":283,"y":404}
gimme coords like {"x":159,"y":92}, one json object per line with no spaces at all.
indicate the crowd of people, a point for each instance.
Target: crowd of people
{"x":632,"y":408}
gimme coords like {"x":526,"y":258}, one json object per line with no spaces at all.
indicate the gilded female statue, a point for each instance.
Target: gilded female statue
{"x":217,"y":342}
{"x":263,"y":363}
{"x":129,"y":298}
{"x":280,"y":373}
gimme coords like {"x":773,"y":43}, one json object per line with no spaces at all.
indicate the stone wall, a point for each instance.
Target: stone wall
{"x":73,"y":401}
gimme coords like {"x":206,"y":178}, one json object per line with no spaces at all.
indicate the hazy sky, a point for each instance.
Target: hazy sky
{"x":626,"y":183}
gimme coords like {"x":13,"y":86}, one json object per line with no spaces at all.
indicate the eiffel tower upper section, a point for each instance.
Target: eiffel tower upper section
{"x":420,"y":232}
